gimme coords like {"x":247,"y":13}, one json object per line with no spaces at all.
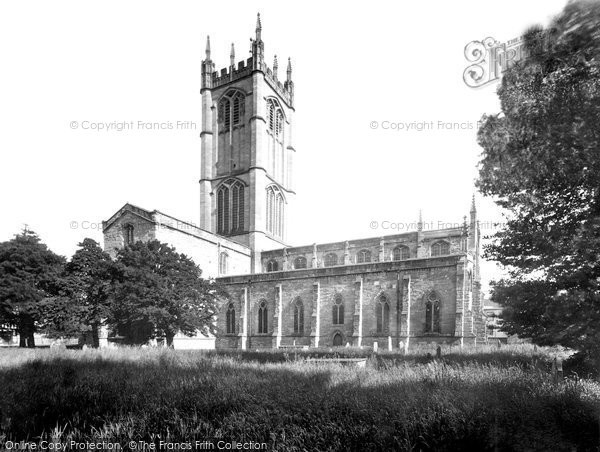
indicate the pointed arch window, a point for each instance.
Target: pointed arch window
{"x":230,"y":207}
{"x":271,"y":114}
{"x":363,"y":256}
{"x":275,"y":128}
{"x":338,"y":310}
{"x":300,"y":262}
{"x":338,"y":340}
{"x":278,"y":123}
{"x":128,"y":234}
{"x":237,"y":204}
{"x":223,"y":263}
{"x":231,"y":109}
{"x":330,"y":260}
{"x":230,"y":319}
{"x":298,"y":316}
{"x":263,"y":318}
{"x":238,"y":108}
{"x":383,"y":314}
{"x":275,"y":211}
{"x":401,"y":253}
{"x":272,"y":266}
{"x":432,"y":313}
{"x":440,"y":249}
{"x":274,"y":117}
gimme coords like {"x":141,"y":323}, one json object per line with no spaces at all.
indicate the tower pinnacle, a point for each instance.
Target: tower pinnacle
{"x":238,"y":94}
{"x":289,"y":70}
{"x":275,"y":67}
{"x":258,"y":27}
{"x":208,"y":67}
{"x":258,"y":50}
{"x":207,"y":47}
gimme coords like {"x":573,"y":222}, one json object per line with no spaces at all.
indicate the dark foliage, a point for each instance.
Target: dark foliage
{"x":158,"y":292}
{"x":540,"y":162}
{"x":29,"y":274}
{"x":83,"y":302}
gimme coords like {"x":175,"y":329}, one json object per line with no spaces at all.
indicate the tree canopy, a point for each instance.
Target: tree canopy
{"x":82,"y":303}
{"x":158,"y":292}
{"x":541,"y":163}
{"x":29,"y":274}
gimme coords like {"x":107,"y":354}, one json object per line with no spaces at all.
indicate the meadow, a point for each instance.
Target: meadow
{"x":472,"y":399}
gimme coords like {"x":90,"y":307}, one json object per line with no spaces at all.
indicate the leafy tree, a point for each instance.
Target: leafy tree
{"x":158,"y":292}
{"x":541,"y":163}
{"x":29,"y":273}
{"x":83,"y":301}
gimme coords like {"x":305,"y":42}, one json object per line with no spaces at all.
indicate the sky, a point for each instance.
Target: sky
{"x":363,"y":73}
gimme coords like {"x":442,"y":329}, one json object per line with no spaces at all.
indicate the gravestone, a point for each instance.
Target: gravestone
{"x":557,"y":371}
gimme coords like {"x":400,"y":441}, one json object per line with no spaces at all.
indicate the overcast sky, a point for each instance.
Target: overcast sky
{"x":353,"y":63}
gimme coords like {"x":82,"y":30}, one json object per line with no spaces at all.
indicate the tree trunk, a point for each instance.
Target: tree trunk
{"x":30,"y":340}
{"x":170,"y":337}
{"x":26,"y":329}
{"x":95,"y":336}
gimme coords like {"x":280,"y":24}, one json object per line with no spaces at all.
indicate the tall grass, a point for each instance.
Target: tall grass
{"x":476,"y":400}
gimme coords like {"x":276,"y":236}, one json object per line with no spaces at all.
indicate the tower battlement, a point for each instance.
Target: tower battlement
{"x":243,"y":69}
{"x":231,"y":73}
{"x":247,"y":152}
{"x":212,"y":78}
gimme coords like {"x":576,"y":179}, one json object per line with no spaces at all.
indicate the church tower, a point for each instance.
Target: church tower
{"x":247,"y":156}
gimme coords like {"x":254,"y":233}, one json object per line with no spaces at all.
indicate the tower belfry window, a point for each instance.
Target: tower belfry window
{"x":237,"y":109}
{"x":271,"y":114}
{"x":231,"y":109}
{"x":230,"y":207}
{"x":278,"y":123}
{"x":275,"y":117}
{"x":275,"y":146}
{"x":275,"y":211}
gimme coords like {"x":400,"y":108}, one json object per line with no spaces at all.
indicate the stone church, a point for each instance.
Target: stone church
{"x":420,"y":286}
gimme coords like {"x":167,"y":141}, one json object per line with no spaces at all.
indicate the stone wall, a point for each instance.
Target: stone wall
{"x":357,"y":285}
{"x":381,"y":249}
{"x":204,"y":248}
{"x":114,"y":235}
{"x":201,"y":246}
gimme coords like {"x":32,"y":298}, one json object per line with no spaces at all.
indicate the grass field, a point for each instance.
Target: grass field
{"x":481,"y":399}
